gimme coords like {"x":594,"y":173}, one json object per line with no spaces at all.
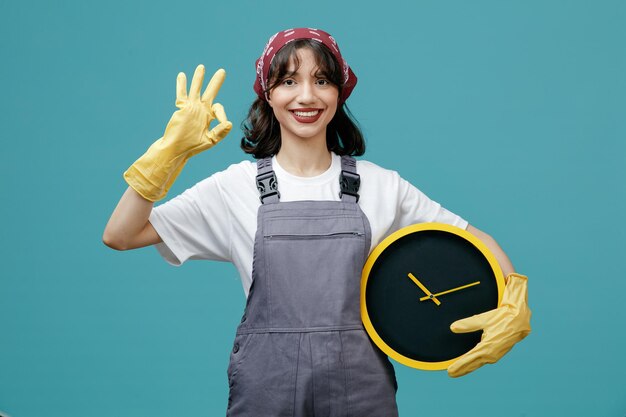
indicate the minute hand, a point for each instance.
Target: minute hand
{"x":451,"y":290}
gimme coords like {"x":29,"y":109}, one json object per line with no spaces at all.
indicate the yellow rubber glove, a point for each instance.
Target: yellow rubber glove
{"x":186,"y":135}
{"x":502,"y":328}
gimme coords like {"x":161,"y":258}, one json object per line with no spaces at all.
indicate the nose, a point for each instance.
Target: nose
{"x":306,"y":93}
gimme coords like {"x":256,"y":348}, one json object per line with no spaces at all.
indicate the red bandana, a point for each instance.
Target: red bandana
{"x":281,"y":39}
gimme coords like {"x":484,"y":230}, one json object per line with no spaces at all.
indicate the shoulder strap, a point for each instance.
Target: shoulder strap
{"x":349,"y":180}
{"x":266,"y":181}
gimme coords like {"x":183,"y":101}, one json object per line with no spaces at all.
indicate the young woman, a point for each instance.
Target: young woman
{"x":298,"y":224}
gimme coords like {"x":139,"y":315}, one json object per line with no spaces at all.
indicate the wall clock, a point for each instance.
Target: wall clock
{"x":418,"y":281}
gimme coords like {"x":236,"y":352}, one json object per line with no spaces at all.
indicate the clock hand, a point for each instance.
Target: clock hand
{"x":451,"y":290}
{"x":429,"y":295}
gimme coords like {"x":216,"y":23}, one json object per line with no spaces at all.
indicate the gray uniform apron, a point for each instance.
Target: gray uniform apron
{"x":301,"y":349}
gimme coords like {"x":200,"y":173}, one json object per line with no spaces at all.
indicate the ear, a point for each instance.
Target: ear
{"x":268,"y":99}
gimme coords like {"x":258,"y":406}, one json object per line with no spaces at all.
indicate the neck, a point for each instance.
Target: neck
{"x":305,"y":159}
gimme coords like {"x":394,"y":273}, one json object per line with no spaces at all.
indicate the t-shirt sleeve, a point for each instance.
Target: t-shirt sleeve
{"x":194,"y":224}
{"x":416,"y":207}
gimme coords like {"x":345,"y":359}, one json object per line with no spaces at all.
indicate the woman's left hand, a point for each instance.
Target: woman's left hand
{"x":502,"y":328}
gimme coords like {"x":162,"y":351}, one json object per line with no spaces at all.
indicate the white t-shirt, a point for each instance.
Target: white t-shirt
{"x":216,"y":219}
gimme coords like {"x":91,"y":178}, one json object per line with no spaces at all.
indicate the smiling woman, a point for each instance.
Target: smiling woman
{"x":298,"y":224}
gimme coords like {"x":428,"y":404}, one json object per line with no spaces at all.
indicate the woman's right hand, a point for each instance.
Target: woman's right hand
{"x":187,"y":134}
{"x":188,"y":129}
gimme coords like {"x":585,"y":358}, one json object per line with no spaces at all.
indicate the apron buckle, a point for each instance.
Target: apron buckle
{"x":267,"y":185}
{"x":349,"y":183}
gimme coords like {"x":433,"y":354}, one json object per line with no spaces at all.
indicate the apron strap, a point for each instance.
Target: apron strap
{"x":266,"y":181}
{"x":349,"y":180}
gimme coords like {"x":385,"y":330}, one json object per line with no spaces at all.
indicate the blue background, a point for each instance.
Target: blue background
{"x":509,"y":113}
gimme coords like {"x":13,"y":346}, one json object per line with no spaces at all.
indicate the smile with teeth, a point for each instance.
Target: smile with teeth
{"x":306,"y":113}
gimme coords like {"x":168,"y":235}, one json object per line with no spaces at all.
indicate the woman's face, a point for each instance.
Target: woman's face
{"x":305,"y":102}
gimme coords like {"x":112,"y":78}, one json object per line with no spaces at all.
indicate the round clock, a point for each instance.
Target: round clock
{"x":418,"y":281}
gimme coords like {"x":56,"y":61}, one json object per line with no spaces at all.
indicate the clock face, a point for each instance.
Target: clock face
{"x":417,"y":282}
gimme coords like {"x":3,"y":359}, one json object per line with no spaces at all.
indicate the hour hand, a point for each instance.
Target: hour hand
{"x":429,"y":295}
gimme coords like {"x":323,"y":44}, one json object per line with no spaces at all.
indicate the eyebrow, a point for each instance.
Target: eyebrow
{"x":319,"y":73}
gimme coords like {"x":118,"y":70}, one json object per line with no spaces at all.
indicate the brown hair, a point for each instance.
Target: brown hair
{"x":262,"y":130}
